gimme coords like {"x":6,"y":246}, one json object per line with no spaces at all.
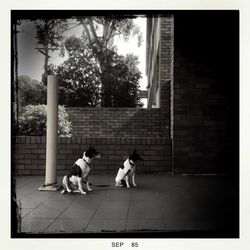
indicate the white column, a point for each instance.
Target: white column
{"x":51,"y":137}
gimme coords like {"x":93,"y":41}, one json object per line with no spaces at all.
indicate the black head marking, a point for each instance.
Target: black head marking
{"x":92,"y":153}
{"x":135,"y":157}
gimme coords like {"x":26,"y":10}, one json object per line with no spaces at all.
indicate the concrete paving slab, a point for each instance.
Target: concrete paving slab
{"x":40,"y":195}
{"x":21,"y":181}
{"x":145,"y":225}
{"x":120,"y":194}
{"x":87,"y":201}
{"x":25,"y":211}
{"x":186,"y":222}
{"x":57,"y":204}
{"x":106,"y":225}
{"x":66,"y":226}
{"x":112,"y":210}
{"x":44,"y":212}
{"x":25,"y":191}
{"x":30,"y":203}
{"x":77,"y":212}
{"x":35,"y":225}
{"x":160,"y":203}
{"x":142,"y":209}
{"x":144,"y":195}
{"x":57,"y":196}
{"x":20,"y":196}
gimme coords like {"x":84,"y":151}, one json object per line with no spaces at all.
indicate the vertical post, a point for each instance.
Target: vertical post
{"x":51,"y":137}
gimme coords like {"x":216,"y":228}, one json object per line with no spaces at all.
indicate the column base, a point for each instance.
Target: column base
{"x":52,"y":187}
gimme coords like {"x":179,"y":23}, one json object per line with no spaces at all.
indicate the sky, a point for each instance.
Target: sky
{"x":30,"y":61}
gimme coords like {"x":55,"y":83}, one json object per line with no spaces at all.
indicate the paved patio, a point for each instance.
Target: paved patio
{"x":160,"y":203}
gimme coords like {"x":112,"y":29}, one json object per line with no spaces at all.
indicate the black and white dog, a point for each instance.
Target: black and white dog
{"x":126,"y":173}
{"x":73,"y":181}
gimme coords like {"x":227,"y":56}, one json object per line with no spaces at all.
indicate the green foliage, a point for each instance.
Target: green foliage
{"x":79,"y":76}
{"x":49,"y":33}
{"x":123,"y":77}
{"x":64,"y":125}
{"x":94,"y":74}
{"x":100,"y":32}
{"x":30,"y":91}
{"x":49,"y":36}
{"x":86,"y":82}
{"x":33,"y":121}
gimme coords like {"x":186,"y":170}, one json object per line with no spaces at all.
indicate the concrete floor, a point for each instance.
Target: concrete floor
{"x":160,"y":203}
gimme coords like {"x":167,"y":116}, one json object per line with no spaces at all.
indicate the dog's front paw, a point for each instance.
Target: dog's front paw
{"x":128,"y":186}
{"x":90,"y":189}
{"x":134,"y":185}
{"x":118,"y":184}
{"x":82,"y":192}
{"x":69,"y":190}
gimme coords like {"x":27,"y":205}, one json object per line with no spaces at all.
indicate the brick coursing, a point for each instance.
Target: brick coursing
{"x":119,"y":122}
{"x":166,"y":61}
{"x":202,"y":136}
{"x":30,"y":158}
{"x":115,"y":132}
{"x":205,"y":95}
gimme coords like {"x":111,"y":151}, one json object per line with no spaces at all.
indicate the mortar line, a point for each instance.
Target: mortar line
{"x":32,"y":210}
{"x":59,"y":214}
{"x":95,"y":211}
{"x":126,"y":222}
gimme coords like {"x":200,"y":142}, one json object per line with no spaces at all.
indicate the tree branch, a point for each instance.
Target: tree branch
{"x":92,"y":28}
{"x":86,"y":30}
{"x":76,"y":25}
{"x":47,"y":48}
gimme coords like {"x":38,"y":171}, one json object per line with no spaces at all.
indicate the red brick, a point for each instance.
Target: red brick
{"x":65,"y":151}
{"x":37,"y":172}
{"x":38,"y":151}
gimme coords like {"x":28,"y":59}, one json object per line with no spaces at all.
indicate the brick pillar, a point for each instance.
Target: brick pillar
{"x":166,"y":74}
{"x":166,"y":60}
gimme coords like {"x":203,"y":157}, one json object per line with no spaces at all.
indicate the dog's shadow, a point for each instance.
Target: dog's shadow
{"x":114,"y":188}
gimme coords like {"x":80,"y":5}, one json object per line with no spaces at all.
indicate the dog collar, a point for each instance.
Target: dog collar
{"x":131,"y":163}
{"x":87,"y":163}
{"x":84,"y":158}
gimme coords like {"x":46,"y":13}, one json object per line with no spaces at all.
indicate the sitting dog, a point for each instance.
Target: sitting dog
{"x":73,"y":182}
{"x":126,"y":173}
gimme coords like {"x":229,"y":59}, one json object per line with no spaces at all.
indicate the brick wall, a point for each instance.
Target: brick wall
{"x":205,"y":94}
{"x":115,"y":132}
{"x":160,"y":61}
{"x":29,"y":154}
{"x":119,"y":122}
{"x":166,"y":60}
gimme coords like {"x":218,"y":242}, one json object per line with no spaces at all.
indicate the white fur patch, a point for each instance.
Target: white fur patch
{"x":122,"y":172}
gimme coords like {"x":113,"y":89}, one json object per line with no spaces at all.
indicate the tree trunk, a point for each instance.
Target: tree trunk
{"x":46,"y":61}
{"x":106,"y":80}
{"x":100,"y":47}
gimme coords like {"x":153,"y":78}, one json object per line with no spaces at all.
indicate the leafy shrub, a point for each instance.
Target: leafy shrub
{"x":30,"y":92}
{"x":64,"y":125}
{"x":33,"y":121}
